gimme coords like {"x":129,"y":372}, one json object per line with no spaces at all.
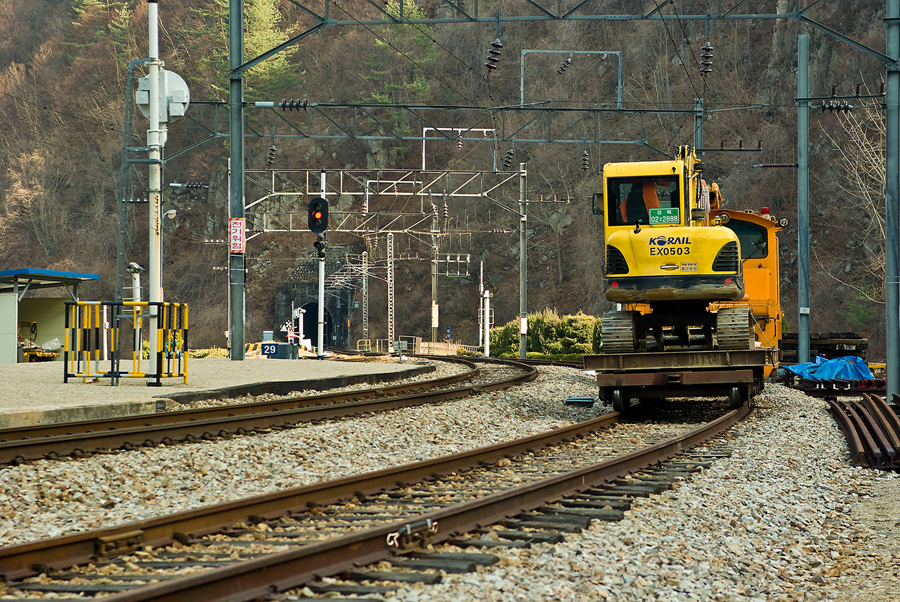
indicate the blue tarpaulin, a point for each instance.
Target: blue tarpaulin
{"x":849,"y":368}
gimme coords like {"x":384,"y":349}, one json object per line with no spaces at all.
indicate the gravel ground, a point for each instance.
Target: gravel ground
{"x":52,"y":498}
{"x":785,"y":518}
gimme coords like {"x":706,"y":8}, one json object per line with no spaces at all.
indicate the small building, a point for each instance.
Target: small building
{"x":39,"y":318}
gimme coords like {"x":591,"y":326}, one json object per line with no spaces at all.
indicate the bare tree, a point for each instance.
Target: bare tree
{"x":860,"y":184}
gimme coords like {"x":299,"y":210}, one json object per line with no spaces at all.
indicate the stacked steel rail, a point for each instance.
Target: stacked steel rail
{"x":871,"y":428}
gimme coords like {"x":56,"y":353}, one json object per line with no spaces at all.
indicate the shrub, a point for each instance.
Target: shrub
{"x":549,"y":334}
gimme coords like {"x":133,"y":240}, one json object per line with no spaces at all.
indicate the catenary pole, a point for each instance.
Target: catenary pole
{"x":236,"y":195}
{"x":154,"y":183}
{"x":892,"y":198}
{"x":803,"y":198}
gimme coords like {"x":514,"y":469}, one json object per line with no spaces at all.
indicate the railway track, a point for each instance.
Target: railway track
{"x":871,"y":428}
{"x":257,"y":547}
{"x":126,"y":433}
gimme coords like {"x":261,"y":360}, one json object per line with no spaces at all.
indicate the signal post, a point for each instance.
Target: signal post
{"x":318,"y":223}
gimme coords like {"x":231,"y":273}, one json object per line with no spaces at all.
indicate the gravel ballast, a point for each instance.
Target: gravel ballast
{"x":782,"y":519}
{"x":785,"y":517}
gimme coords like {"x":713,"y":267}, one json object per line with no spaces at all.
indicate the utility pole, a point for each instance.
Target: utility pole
{"x":523,"y":263}
{"x":698,"y":127}
{"x":803,"y":199}
{"x":892,"y":197}
{"x":435,"y":228}
{"x":320,"y":247}
{"x":365,"y":295}
{"x":154,"y":144}
{"x":236,"y":181}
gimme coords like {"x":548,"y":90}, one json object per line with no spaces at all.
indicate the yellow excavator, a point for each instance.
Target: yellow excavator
{"x":684,"y":272}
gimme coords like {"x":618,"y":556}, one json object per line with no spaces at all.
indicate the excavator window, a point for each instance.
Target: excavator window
{"x":630,"y":200}
{"x":753,"y":238}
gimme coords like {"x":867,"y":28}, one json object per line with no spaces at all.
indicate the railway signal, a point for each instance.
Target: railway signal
{"x":318,"y":215}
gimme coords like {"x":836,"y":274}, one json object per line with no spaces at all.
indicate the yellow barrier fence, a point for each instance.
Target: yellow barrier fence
{"x":101,"y":331}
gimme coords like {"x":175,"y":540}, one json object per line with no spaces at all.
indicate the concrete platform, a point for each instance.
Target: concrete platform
{"x":34,"y":393}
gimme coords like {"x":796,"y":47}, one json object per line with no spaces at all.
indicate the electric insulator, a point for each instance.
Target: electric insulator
{"x":836,"y":106}
{"x":585,"y":160}
{"x":493,"y":56}
{"x":446,"y":211}
{"x":564,"y":66}
{"x":706,"y":58}
{"x":459,"y":144}
{"x":434,"y":210}
{"x":290,"y":105}
{"x":195,"y":185}
{"x":507,"y":161}
{"x":270,"y":158}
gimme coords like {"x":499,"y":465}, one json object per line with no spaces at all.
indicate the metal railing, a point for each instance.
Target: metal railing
{"x":99,"y":331}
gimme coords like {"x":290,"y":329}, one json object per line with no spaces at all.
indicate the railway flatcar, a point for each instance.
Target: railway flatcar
{"x":688,"y":277}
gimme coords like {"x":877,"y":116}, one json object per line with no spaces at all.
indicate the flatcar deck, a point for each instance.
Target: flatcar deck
{"x":681,"y":360}
{"x":738,"y":375}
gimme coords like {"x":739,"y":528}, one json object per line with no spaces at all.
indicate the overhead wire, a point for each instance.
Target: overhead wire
{"x":491,"y":113}
{"x":675,"y":46}
{"x":398,"y":50}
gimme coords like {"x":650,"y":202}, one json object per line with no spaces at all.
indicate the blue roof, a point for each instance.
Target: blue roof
{"x":35,"y":279}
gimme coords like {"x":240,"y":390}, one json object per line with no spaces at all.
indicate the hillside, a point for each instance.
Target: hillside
{"x":62,"y":86}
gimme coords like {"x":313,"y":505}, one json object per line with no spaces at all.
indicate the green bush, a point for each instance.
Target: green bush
{"x":549,"y":334}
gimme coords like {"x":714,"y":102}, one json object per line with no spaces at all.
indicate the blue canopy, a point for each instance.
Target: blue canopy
{"x":29,"y":279}
{"x":849,"y":368}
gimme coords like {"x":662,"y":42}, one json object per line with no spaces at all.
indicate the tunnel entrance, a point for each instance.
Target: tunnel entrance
{"x":311,"y":324}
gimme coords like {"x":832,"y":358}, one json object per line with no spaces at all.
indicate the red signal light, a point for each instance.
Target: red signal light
{"x":318,"y":215}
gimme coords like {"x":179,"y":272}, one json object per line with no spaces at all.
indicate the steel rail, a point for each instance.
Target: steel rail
{"x":281,"y":571}
{"x":288,"y":569}
{"x":871,"y":429}
{"x":851,"y":435}
{"x":74,"y":549}
{"x":233,"y":419}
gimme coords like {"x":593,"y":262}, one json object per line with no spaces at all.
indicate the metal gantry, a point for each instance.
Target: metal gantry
{"x":285,"y":210}
{"x":374,"y":195}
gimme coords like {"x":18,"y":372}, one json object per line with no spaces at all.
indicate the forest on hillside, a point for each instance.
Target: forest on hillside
{"x":63,"y":70}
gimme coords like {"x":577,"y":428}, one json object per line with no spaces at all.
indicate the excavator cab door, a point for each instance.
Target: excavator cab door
{"x":598,"y":203}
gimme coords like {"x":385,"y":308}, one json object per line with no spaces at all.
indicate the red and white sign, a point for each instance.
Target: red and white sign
{"x":237,"y":238}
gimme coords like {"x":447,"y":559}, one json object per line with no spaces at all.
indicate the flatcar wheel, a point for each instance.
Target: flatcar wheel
{"x":735,"y":399}
{"x":620,"y":402}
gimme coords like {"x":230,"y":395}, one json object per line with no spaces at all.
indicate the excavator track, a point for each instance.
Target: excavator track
{"x":618,"y":332}
{"x":734,"y":329}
